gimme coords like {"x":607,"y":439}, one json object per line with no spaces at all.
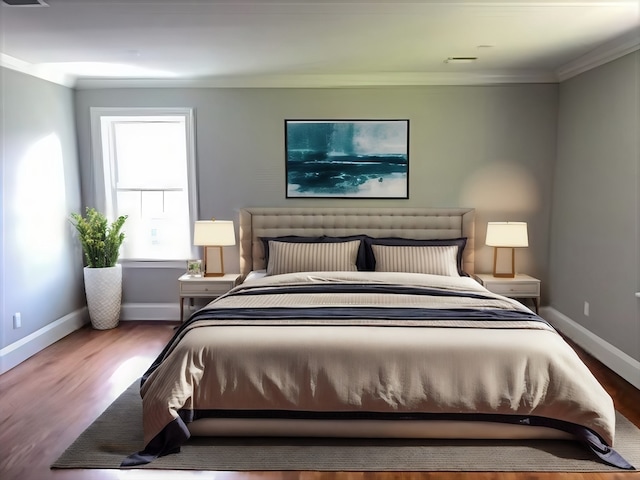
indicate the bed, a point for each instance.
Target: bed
{"x":367,"y":322}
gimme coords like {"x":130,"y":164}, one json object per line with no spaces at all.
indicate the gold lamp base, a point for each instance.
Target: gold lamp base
{"x":511,"y":274}
{"x":209,"y":268}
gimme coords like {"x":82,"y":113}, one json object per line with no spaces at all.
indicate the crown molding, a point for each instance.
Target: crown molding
{"x":44,"y":73}
{"x":282,"y":81}
{"x":604,"y":54}
{"x":324,"y":81}
{"x":601,"y":55}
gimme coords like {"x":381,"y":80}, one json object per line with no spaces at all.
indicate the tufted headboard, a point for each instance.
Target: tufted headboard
{"x":421,"y":223}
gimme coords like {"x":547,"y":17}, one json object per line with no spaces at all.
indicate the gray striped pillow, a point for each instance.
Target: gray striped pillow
{"x":312,"y":257}
{"x":436,"y":260}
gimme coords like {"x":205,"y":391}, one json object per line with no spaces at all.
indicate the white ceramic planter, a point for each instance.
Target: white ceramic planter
{"x":103,"y":287}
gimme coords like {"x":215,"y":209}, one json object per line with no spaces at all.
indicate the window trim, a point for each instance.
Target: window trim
{"x":165,"y":264}
{"x":97,"y":169}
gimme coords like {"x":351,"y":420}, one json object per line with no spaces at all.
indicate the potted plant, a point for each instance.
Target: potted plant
{"x":101,"y":243}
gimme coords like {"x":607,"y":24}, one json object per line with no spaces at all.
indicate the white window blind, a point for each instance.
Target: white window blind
{"x":144,"y":168}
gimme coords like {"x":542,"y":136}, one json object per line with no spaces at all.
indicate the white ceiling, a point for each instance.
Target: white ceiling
{"x":90,"y":43}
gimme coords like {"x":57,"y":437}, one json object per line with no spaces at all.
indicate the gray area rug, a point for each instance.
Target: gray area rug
{"x":118,"y":433}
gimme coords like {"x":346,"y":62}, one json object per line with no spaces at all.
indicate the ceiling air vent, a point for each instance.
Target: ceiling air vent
{"x":461,"y":59}
{"x":25,"y":3}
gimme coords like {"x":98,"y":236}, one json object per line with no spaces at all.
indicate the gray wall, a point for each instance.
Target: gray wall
{"x":41,"y":260}
{"x":488,"y":147}
{"x":594,"y":249}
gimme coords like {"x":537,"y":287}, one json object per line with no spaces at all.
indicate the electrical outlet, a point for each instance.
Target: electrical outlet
{"x":586,"y":309}
{"x":17,"y":320}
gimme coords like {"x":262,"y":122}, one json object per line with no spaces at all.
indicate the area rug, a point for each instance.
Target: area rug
{"x":118,"y":433}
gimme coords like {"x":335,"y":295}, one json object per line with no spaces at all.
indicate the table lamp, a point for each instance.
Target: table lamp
{"x":506,"y":235}
{"x":214,"y":234}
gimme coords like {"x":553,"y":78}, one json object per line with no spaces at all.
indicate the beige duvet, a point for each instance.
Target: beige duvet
{"x":505,"y":366}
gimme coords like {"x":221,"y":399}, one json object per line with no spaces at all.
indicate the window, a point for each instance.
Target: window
{"x":144,"y":168}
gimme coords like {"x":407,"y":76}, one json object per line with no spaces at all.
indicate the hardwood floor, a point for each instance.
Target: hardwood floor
{"x":48,"y":400}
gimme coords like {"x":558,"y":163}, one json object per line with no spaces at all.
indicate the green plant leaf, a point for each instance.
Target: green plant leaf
{"x":100,"y":241}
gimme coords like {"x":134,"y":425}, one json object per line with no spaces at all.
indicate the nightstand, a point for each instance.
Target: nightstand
{"x":211,"y":287}
{"x":521,"y":286}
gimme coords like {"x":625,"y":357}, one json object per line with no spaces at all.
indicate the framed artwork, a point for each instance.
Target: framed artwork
{"x":194,"y":267}
{"x":347,"y":158}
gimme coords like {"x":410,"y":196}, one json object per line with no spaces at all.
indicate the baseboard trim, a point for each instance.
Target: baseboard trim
{"x":19,"y":351}
{"x":150,"y":311}
{"x":614,"y":358}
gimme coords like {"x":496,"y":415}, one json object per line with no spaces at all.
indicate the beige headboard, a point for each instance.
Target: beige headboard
{"x":421,"y":223}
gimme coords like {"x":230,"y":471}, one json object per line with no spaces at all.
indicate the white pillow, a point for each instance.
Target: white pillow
{"x":435,"y":260}
{"x":287,"y":257}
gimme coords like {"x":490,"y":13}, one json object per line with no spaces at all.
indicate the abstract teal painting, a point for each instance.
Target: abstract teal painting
{"x":347,"y":158}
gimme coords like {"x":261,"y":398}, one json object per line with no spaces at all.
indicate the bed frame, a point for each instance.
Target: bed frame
{"x":420,"y":223}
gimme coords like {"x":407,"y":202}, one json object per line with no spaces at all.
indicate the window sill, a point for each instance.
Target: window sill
{"x":170,"y":264}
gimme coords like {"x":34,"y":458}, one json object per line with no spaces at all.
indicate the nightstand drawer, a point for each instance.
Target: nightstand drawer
{"x":207,"y":288}
{"x":514,"y":289}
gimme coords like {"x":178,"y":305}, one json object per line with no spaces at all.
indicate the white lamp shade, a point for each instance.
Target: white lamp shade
{"x":507,"y":234}
{"x":214,"y":232}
